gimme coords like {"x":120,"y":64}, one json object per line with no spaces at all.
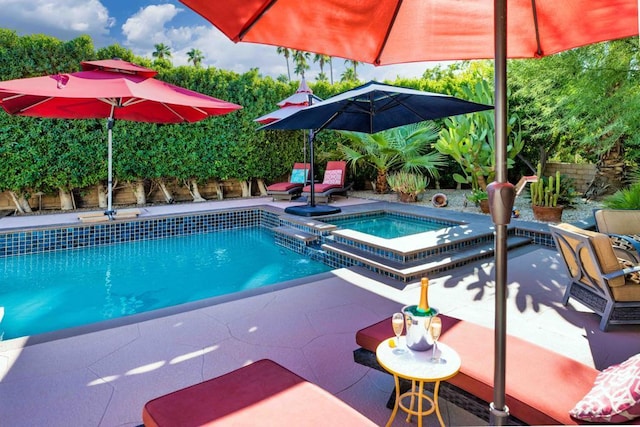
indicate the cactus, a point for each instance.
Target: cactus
{"x":546,"y":195}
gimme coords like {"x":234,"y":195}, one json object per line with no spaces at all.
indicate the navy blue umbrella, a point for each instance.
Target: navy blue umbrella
{"x":370,"y":108}
{"x":374,"y":107}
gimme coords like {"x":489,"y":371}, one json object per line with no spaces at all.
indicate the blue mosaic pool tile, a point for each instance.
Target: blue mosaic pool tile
{"x":89,"y":235}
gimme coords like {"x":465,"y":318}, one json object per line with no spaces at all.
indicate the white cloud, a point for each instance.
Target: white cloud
{"x":63,"y":19}
{"x":147,"y":26}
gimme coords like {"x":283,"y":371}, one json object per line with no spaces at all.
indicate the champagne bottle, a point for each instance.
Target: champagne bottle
{"x":423,"y":309}
{"x":423,"y":306}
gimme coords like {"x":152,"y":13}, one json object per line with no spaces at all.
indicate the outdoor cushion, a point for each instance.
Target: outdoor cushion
{"x":604,"y":252}
{"x":618,"y":221}
{"x":263,"y":393}
{"x":615,"y":396}
{"x":333,"y":176}
{"x":283,"y":186}
{"x":299,"y":176}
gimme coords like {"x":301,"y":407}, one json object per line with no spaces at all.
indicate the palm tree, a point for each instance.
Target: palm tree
{"x":162,"y":51}
{"x":286,"y":53}
{"x":353,"y":65}
{"x":406,"y":148}
{"x":195,"y":57}
{"x":322,"y":60}
{"x":300,"y":58}
{"x":348,"y":75}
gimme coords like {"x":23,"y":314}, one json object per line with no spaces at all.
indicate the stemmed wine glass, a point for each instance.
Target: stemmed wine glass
{"x":435,"y":329}
{"x":397,"y":321}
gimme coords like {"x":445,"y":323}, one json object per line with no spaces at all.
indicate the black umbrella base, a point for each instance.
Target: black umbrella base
{"x":308,"y":210}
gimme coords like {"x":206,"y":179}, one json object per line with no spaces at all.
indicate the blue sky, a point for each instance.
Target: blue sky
{"x":140,"y":24}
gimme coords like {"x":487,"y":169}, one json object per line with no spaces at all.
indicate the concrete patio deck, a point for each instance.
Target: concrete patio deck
{"x":103,"y":378}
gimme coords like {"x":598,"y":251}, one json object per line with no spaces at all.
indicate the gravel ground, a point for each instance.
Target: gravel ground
{"x":582,"y":209}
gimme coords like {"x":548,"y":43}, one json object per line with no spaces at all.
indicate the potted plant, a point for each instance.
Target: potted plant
{"x":408,"y":185}
{"x":549,"y":197}
{"x":480,"y":198}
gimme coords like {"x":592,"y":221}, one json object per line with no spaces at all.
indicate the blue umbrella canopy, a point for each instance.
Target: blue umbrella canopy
{"x":374,"y":107}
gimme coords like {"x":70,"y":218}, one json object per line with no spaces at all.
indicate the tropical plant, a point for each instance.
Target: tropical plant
{"x":195,"y":56}
{"x":300,"y":59}
{"x":408,"y":183}
{"x":286,"y":52}
{"x":405,"y":148}
{"x":322,"y":60}
{"x":162,"y":51}
{"x":470,"y":139}
{"x":625,"y":198}
{"x":476,"y":196}
{"x":552,"y":191}
{"x":353,"y":65}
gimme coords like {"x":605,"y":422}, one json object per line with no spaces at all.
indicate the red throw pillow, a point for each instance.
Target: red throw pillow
{"x":615,"y":396}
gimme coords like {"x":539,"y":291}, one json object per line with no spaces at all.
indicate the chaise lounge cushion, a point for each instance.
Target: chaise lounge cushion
{"x":615,"y":396}
{"x":263,"y":393}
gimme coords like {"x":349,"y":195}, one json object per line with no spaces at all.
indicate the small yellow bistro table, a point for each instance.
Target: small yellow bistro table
{"x":417,"y":367}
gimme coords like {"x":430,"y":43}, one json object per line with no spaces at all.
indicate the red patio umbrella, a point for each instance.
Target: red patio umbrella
{"x":111,"y":89}
{"x":303,"y":97}
{"x":400,"y":31}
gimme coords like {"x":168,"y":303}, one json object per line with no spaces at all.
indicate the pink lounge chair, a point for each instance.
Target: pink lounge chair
{"x":333,"y":182}
{"x":291,"y":189}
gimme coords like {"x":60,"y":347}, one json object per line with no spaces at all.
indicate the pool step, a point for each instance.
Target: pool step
{"x":295,"y":239}
{"x":408,"y":272}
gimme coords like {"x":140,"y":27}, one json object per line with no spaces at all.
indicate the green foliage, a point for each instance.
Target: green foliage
{"x":406,"y":147}
{"x":476,"y":196}
{"x":627,"y":198}
{"x":470,"y":139}
{"x":584,"y":101}
{"x":408,"y":183}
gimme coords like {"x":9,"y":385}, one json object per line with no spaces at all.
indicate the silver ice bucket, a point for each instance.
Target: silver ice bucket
{"x":417,"y":327}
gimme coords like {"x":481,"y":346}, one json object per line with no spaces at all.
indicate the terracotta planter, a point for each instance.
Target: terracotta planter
{"x":548,"y":213}
{"x":407,"y":197}
{"x":484,"y":206}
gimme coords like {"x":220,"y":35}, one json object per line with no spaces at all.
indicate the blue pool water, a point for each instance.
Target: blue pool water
{"x":389,"y":225}
{"x":56,"y":290}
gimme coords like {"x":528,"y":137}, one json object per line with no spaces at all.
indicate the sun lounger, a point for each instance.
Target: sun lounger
{"x":293,"y":188}
{"x":541,"y":386}
{"x":102,"y":217}
{"x":263,"y":393}
{"x":333,"y":183}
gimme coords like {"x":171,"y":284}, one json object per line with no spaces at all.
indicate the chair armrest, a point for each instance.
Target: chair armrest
{"x":621,"y":272}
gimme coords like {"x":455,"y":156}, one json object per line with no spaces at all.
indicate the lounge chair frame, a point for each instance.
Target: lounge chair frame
{"x":595,"y":275}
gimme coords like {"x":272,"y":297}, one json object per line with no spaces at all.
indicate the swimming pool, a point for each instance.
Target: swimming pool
{"x":54,"y":290}
{"x":389,"y":225}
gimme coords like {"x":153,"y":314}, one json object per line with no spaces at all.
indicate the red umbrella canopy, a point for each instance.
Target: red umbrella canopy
{"x":391,"y":32}
{"x":111,"y":88}
{"x":291,"y":104}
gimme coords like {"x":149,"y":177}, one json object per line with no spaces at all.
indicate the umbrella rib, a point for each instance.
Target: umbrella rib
{"x":30,"y":106}
{"x":536,"y":27}
{"x":254,"y":20}
{"x":376,"y":61}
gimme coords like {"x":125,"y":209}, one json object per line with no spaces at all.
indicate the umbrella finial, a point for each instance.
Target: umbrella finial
{"x":303,"y":88}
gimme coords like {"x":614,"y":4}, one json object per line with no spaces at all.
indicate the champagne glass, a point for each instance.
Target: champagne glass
{"x":397,"y":321}
{"x":435,"y":329}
